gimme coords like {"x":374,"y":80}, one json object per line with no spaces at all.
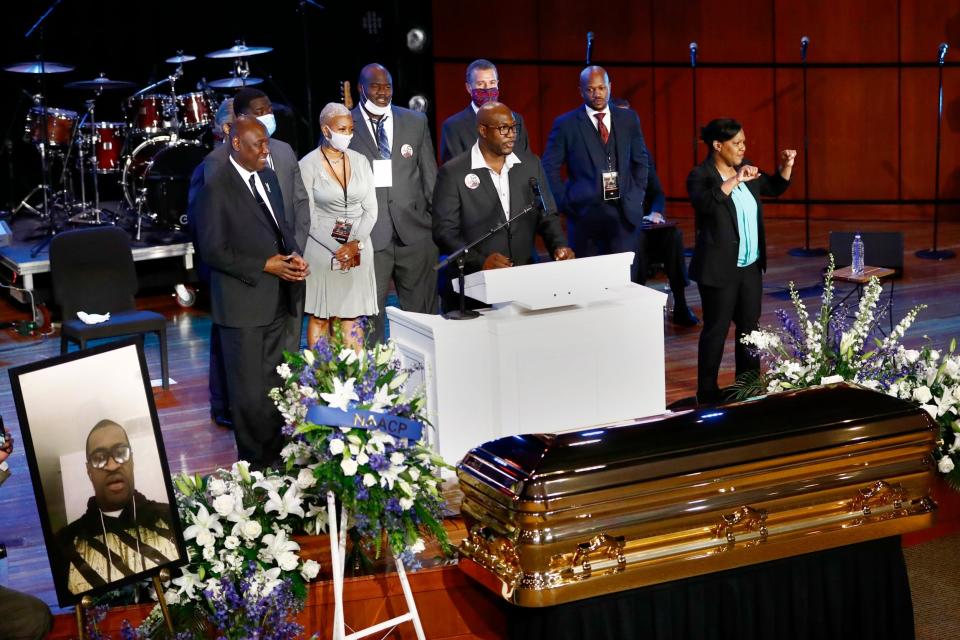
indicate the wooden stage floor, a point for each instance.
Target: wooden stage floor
{"x":194,"y":444}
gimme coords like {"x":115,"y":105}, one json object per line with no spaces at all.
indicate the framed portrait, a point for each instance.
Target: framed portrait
{"x":99,"y":470}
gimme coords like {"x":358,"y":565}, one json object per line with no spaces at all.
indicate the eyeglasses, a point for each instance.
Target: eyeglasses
{"x":120,"y":453}
{"x":506,"y":129}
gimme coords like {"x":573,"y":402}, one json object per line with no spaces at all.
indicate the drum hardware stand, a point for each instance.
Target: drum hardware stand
{"x":84,"y":216}
{"x":44,"y":187}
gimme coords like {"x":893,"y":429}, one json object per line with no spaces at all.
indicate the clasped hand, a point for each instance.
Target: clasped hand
{"x":292,"y":268}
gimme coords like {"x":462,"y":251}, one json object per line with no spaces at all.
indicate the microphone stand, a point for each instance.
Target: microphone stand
{"x":934,"y":253}
{"x":805,"y":251}
{"x":693,"y":80}
{"x":460,"y":257}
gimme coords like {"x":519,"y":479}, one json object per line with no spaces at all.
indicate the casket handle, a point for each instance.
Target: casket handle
{"x":609,"y":546}
{"x":746,"y":518}
{"x":878,"y":494}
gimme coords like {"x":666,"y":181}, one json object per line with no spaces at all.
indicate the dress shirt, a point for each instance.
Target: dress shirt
{"x":607,"y":120}
{"x":260,"y":186}
{"x":372,"y":126}
{"x":501,"y":181}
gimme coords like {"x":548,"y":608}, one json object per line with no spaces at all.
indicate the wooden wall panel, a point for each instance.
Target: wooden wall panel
{"x":854,"y":151}
{"x":839,"y":30}
{"x":744,"y":37}
{"x":621,"y":30}
{"x":497,"y":28}
{"x":744,"y":94}
{"x":789,"y":123}
{"x":924,"y":25}
{"x":558,"y":94}
{"x":918,"y":117}
{"x":673,"y":129}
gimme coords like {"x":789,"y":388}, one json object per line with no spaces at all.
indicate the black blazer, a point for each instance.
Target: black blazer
{"x":459,"y":132}
{"x":718,"y":238}
{"x":405,"y":207}
{"x":234,"y":238}
{"x":461,"y":214}
{"x":574,"y":141}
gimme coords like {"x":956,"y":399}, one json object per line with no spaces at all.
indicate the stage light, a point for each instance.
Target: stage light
{"x":419,"y":103}
{"x":416,"y":39}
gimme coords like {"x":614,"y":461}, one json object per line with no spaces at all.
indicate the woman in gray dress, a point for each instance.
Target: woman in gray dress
{"x":343,"y":209}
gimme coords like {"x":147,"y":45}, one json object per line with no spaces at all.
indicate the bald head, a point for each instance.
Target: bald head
{"x":595,"y":87}
{"x":497,"y":128}
{"x":249,"y":143}
{"x":376,"y":83}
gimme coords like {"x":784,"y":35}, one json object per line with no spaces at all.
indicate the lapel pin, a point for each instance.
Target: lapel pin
{"x":471,"y":180}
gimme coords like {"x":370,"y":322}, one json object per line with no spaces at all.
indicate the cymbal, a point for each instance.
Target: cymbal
{"x":177,"y":59}
{"x":39,"y":67}
{"x":239,"y":50}
{"x":102,"y":83}
{"x":231,"y":83}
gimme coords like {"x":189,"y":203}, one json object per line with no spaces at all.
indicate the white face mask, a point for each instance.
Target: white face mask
{"x":339,"y":141}
{"x":270,"y":122}
{"x":373,"y":108}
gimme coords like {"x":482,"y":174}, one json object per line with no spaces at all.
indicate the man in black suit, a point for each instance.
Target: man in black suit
{"x":606,"y":159}
{"x":480,"y":188}
{"x":398,"y":145}
{"x":296,"y":205}
{"x":256,"y":282}
{"x":459,"y":131}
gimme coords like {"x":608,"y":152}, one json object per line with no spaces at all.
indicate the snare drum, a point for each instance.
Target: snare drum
{"x":108,"y":144}
{"x":194,"y":111}
{"x":59,"y":128}
{"x":149,"y":113}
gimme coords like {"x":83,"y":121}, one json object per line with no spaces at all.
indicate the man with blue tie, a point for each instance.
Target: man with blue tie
{"x":606,"y":159}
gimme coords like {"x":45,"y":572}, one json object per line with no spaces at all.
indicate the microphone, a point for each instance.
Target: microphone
{"x":942,"y":52}
{"x":589,"y":46}
{"x":537,"y":195}
{"x":693,"y":54}
{"x":804,"y":43}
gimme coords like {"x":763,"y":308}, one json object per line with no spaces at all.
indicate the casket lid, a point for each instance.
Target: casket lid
{"x":538,"y":466}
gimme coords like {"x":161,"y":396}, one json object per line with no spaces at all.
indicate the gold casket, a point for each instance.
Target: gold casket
{"x":553,"y":518}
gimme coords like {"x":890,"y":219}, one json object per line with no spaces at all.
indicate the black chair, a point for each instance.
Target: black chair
{"x":92,"y":271}
{"x":880,"y":249}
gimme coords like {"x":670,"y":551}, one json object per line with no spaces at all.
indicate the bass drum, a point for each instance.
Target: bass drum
{"x":156,"y":178}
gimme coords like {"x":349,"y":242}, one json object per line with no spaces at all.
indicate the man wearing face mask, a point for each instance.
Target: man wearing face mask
{"x":397,"y":143}
{"x":459,"y":131}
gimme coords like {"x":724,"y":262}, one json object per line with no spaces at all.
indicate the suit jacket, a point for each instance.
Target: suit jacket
{"x":296,"y":203}
{"x":235,"y":239}
{"x":717,"y":245}
{"x":574,"y":141}
{"x":404,"y":208}
{"x":461,"y":214}
{"x":459,"y":132}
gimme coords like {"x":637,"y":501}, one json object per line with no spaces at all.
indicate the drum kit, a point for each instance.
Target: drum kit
{"x":150,"y":154}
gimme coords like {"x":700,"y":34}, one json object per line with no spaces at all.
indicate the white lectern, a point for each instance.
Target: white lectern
{"x":567,"y":344}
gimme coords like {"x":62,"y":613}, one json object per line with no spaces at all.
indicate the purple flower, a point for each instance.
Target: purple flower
{"x":379,"y":462}
{"x":393,"y":506}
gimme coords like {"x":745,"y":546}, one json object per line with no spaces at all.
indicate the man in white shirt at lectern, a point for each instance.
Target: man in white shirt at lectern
{"x":487,"y":184}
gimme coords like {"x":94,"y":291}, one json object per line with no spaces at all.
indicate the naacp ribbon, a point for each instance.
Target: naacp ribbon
{"x":361,"y":419}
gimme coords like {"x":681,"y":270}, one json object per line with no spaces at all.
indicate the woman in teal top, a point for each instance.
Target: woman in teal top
{"x":730,"y":252}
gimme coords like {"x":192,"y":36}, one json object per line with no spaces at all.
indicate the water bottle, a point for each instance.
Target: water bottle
{"x":856,"y":251}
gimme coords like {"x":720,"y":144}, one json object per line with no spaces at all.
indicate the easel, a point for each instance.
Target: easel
{"x":87,"y":602}
{"x":338,"y":541}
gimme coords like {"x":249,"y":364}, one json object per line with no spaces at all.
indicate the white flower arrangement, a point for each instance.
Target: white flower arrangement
{"x":803,"y":353}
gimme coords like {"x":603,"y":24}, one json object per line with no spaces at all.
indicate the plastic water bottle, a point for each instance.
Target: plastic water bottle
{"x":856,"y":251}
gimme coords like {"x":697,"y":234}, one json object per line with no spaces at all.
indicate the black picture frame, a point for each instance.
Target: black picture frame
{"x":95,"y":371}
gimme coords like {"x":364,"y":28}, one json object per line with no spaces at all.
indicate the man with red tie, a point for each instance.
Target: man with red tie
{"x":606,"y":160}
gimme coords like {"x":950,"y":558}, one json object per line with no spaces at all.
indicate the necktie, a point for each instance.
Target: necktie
{"x":266,"y":212}
{"x":382,"y":141}
{"x":602,"y":128}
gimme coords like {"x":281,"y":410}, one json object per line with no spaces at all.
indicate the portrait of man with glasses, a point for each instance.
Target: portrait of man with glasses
{"x":121,"y":532}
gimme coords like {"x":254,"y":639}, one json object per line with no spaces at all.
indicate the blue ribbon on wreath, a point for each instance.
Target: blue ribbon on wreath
{"x":362,"y":419}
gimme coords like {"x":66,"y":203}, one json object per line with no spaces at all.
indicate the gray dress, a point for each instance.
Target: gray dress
{"x":334,"y":293}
